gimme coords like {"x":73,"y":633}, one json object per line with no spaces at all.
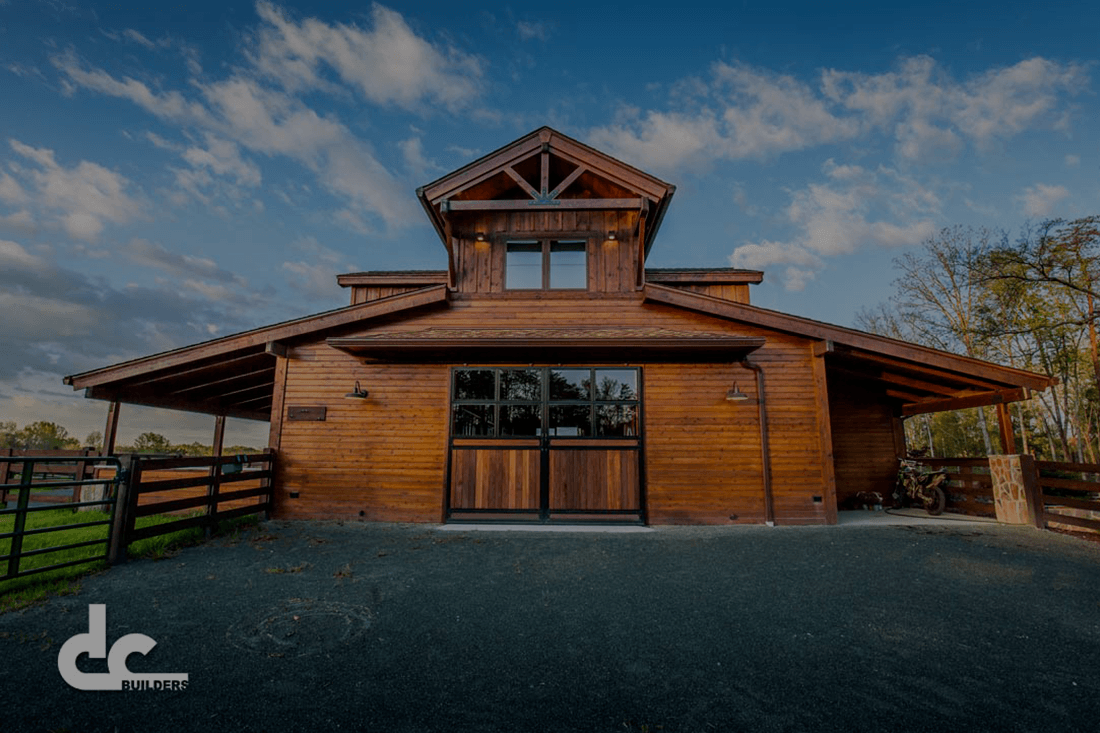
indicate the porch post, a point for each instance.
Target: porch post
{"x":111,"y":429}
{"x":215,"y":470}
{"x":1008,"y":438}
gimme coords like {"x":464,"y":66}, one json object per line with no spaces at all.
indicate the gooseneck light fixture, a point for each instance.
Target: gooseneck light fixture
{"x":358,"y":394}
{"x":735,"y":394}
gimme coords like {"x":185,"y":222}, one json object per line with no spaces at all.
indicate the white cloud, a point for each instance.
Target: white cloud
{"x":741,"y":112}
{"x":137,"y":37}
{"x":155,"y":255}
{"x":387,"y":63}
{"x":1072,"y":161}
{"x":529,"y":29}
{"x":82,"y":198}
{"x":854,"y":209}
{"x":1041,"y":199}
{"x":223,"y":158}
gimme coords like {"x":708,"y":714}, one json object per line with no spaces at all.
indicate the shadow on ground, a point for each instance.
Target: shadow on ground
{"x":322,"y":626}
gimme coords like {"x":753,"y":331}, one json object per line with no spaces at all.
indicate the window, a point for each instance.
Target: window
{"x":533,"y":264}
{"x":581,"y":402}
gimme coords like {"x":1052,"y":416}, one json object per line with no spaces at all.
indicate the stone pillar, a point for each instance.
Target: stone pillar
{"x":1015,"y":492}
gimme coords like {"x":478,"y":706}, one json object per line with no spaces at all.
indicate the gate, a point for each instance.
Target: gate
{"x":44,"y":473}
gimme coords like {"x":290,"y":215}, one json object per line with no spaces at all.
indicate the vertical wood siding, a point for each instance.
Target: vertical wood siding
{"x":594,"y":480}
{"x":495,"y":478}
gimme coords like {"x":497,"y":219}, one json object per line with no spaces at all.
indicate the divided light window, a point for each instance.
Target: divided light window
{"x":581,"y":402}
{"x":537,"y":264}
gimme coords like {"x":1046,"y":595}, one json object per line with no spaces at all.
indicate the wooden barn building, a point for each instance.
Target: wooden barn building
{"x":545,"y":374}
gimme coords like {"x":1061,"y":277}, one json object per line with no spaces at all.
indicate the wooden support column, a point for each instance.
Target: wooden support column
{"x":275,"y":433}
{"x":111,"y":429}
{"x":1008,"y":438}
{"x":825,"y":438}
{"x":213,"y":488}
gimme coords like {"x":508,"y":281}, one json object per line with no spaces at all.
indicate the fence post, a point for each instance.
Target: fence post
{"x":1014,"y":489}
{"x":5,"y":468}
{"x":1033,"y":491}
{"x":20,"y":518}
{"x":128,"y":471}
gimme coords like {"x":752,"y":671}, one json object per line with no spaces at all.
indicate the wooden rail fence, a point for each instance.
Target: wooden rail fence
{"x":183,"y":485}
{"x":1069,"y":494}
{"x":969,"y":486}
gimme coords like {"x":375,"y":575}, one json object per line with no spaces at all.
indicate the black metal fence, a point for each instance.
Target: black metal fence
{"x":38,"y":474}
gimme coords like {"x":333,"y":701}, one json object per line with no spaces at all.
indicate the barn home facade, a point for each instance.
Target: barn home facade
{"x":546,"y":374}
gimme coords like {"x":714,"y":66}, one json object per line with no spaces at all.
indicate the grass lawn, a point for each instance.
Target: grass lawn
{"x":18,"y":592}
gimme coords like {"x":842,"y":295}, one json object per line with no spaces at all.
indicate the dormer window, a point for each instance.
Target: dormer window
{"x":546,"y":264}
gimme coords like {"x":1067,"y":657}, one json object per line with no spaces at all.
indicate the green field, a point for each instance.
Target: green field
{"x":18,"y":592}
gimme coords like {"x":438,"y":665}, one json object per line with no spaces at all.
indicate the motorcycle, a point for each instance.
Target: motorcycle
{"x":917,"y":486}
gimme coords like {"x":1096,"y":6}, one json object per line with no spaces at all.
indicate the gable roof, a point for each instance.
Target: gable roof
{"x":547,"y":170}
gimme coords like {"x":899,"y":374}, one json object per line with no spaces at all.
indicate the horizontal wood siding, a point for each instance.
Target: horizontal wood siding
{"x":862,"y":424}
{"x":386,"y":455}
{"x":495,"y":479}
{"x":737,"y":292}
{"x":364,"y":293}
{"x":479,"y":266}
{"x":594,"y":480}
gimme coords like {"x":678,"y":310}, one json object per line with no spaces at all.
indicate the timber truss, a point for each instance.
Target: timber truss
{"x":546,"y":171}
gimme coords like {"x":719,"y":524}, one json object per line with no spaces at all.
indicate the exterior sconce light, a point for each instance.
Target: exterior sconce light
{"x":611,"y":236}
{"x":358,"y":394}
{"x":479,"y":237}
{"x":735,"y":395}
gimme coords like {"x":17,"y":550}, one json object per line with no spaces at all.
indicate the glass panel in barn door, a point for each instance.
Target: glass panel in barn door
{"x":570,"y":420}
{"x":616,"y":384}
{"x":521,"y":420}
{"x":524,"y":385}
{"x":473,"y":420}
{"x":475,"y":384}
{"x":616,"y":421}
{"x":570,"y":384}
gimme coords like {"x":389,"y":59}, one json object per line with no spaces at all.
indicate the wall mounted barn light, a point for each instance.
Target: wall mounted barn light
{"x":611,"y":236}
{"x":358,"y":394}
{"x":479,"y":237}
{"x":734,"y":394}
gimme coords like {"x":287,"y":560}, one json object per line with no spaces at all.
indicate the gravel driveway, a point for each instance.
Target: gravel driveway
{"x":327,"y":626}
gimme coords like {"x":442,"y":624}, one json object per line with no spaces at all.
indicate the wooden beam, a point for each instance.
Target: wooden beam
{"x":479,"y":170}
{"x":110,"y":430}
{"x":253,"y":375}
{"x":917,"y":384}
{"x":907,"y":396}
{"x":234,"y":363}
{"x":820,"y":348}
{"x":448,"y":240}
{"x":522,"y":183}
{"x":152,"y":400}
{"x":274,"y":348}
{"x":567,"y":182}
{"x":544,"y":173}
{"x":275,"y":431}
{"x":1004,"y":422}
{"x":962,"y":403}
{"x":522,"y":205}
{"x":825,"y":439}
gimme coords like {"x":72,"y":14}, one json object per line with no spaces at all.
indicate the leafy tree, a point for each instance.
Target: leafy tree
{"x":44,"y":435}
{"x":152,"y":443}
{"x":8,"y":431}
{"x":94,"y":440}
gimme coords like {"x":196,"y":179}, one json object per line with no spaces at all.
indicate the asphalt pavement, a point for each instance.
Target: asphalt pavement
{"x":378,"y":627}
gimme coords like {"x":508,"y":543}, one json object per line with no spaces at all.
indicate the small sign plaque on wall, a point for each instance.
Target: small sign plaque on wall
{"x":311,"y":413}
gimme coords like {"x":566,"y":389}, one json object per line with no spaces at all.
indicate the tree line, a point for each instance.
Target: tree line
{"x":1028,"y":301}
{"x":45,"y":435}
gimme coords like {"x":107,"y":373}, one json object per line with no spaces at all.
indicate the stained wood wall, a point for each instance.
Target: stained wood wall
{"x":864,"y":447}
{"x":386,"y":456}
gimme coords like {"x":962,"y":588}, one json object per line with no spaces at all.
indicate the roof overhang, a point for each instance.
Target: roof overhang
{"x":553,"y":345}
{"x":235,"y":375}
{"x":917,"y":379}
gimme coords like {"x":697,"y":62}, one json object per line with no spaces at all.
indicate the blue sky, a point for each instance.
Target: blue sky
{"x":173,"y":173}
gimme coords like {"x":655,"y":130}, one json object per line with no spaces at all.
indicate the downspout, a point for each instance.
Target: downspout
{"x":765,"y":460}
